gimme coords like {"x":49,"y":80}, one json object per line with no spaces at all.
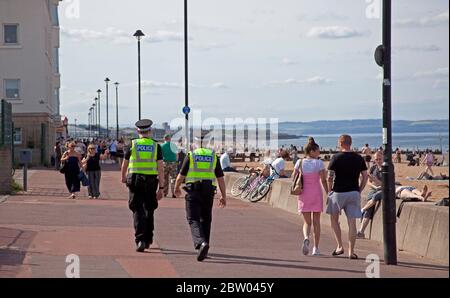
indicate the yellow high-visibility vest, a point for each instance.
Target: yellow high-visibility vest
{"x":143,"y":157}
{"x":202,"y":165}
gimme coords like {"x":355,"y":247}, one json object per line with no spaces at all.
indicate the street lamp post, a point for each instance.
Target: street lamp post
{"x":99,"y":112}
{"x":94,"y":105}
{"x":89,"y":122}
{"x":75,"y":132}
{"x":186,"y":77}
{"x":139,"y":34}
{"x":117,"y":110}
{"x":107,"y":80}
{"x":383,"y":59}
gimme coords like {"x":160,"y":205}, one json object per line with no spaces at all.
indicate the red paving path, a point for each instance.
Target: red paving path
{"x":39,"y":229}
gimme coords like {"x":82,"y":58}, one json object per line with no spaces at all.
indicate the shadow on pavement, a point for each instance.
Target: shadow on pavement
{"x":247,"y":260}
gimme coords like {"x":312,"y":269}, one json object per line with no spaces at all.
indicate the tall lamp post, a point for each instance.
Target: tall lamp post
{"x":94,"y":105}
{"x":75,"y":132}
{"x":383,"y":59}
{"x":107,"y":80}
{"x":186,"y":109}
{"x":99,"y":112}
{"x":139,"y":34}
{"x":117,"y":110}
{"x":89,"y":122}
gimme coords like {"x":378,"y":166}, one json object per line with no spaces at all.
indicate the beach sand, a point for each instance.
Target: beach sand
{"x":440,"y":189}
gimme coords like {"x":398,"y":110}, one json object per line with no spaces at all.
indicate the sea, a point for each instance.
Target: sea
{"x":403,"y":141}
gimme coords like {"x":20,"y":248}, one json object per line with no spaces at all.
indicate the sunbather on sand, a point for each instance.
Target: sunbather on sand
{"x":410,"y":192}
{"x":425,"y":176}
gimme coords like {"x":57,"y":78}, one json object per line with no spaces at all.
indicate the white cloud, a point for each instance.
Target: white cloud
{"x":440,"y":19}
{"x":220,"y":85}
{"x":209,"y":46}
{"x":287,"y":62}
{"x":441,"y":84}
{"x":436,"y":73}
{"x":333,"y":32}
{"x":118,"y":36}
{"x":317,"y":80}
{"x":330,"y":15}
{"x":415,"y":48}
{"x":163,"y":85}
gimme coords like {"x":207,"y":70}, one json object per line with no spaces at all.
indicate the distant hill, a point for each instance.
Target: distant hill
{"x":361,"y":126}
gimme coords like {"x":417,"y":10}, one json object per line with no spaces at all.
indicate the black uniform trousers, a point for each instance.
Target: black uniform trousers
{"x":142,"y":202}
{"x":199,"y":204}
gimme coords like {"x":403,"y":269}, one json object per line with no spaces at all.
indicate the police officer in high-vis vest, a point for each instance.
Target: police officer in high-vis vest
{"x":202,"y":172}
{"x":143,"y":173}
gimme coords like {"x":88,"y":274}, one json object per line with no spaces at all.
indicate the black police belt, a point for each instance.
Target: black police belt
{"x":202,"y":185}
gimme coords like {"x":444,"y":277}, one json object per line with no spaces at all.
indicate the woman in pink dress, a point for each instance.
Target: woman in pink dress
{"x":310,"y":201}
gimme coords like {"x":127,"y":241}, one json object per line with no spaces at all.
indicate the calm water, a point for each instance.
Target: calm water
{"x":402,"y":140}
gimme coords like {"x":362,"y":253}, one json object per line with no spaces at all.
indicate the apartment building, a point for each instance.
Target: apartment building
{"x":29,"y":72}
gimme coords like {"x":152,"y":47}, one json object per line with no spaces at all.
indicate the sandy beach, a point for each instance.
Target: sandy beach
{"x":440,"y":189}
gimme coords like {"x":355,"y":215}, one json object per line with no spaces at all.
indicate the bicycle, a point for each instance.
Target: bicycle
{"x":262,"y":188}
{"x":243,"y":182}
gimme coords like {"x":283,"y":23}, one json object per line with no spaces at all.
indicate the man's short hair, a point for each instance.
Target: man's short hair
{"x":345,"y":140}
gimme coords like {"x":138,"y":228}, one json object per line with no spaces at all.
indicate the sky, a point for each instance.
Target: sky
{"x":295,"y":60}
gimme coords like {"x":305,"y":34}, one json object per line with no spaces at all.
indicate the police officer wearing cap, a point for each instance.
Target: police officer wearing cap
{"x":143,"y":172}
{"x":201,"y":170}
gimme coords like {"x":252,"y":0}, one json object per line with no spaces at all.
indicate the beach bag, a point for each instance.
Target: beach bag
{"x":83,"y":178}
{"x":63,"y":167}
{"x":297,"y":182}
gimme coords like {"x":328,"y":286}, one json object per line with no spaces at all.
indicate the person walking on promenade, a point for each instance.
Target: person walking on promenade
{"x":428,"y":161}
{"x":310,"y":201}
{"x":375,"y":195}
{"x":200,"y":170}
{"x":91,"y":164}
{"x":142,"y":171}
{"x":113,"y":151}
{"x":345,"y":169}
{"x":72,"y":169}
{"x":169,"y":151}
{"x":58,"y":155}
{"x":120,"y":151}
{"x":367,"y":154}
{"x":294,"y":155}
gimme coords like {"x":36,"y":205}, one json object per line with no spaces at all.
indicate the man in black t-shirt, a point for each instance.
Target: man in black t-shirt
{"x":345,"y":169}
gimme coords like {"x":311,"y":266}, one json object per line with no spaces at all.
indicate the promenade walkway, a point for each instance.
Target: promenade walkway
{"x":40,"y":228}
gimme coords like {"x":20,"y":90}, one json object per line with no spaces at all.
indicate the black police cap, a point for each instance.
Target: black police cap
{"x":144,"y":125}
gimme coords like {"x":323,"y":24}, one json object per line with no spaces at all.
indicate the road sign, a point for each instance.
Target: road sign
{"x":186,"y":110}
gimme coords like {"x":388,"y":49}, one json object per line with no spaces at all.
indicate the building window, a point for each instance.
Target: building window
{"x":56,"y":60}
{"x":11,"y":34}
{"x":17,"y":136}
{"x":12,"y":89}
{"x":54,"y":14}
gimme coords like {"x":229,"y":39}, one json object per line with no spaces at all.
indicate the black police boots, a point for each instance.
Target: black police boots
{"x":203,"y":251}
{"x":140,"y":247}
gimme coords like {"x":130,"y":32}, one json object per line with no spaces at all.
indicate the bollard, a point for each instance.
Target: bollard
{"x":25,"y":175}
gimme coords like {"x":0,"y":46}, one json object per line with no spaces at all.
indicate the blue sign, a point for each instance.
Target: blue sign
{"x":202,"y":158}
{"x":186,"y":110}
{"x":144,"y":148}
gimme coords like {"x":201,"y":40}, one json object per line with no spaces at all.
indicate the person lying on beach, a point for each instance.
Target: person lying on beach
{"x":425,"y":176}
{"x":410,"y":192}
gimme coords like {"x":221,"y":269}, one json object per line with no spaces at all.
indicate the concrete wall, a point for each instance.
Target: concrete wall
{"x":5,"y":170}
{"x":422,"y":227}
